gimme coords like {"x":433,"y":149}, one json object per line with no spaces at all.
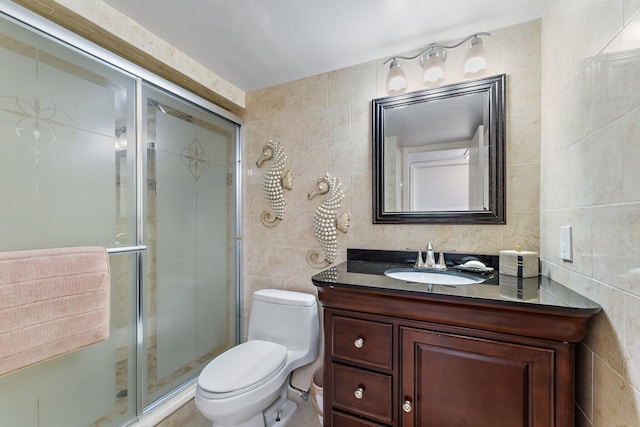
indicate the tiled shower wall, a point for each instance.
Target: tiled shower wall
{"x":324,"y":124}
{"x":590,"y":180}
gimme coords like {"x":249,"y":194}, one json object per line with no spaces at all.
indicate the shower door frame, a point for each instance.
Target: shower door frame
{"x":39,"y":25}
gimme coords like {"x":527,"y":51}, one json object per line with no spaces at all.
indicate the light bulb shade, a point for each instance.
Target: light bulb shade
{"x":396,"y":79}
{"x":433,"y":68}
{"x":475,"y":61}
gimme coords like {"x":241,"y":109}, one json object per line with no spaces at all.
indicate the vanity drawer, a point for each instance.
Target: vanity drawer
{"x":363,"y":392}
{"x":345,"y":420}
{"x":363,"y":341}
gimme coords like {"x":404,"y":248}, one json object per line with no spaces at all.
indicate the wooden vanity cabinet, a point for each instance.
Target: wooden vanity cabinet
{"x":393,"y":360}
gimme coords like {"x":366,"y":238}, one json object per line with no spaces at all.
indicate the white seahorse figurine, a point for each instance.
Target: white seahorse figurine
{"x":274,"y":182}
{"x":326,"y":221}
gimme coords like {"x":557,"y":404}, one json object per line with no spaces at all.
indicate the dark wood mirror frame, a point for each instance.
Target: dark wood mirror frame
{"x":494,"y":87}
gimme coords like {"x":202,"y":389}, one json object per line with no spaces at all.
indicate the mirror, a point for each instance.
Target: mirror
{"x":439,"y":155}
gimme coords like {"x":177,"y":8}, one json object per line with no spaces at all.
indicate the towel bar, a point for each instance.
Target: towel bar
{"x":126,"y":249}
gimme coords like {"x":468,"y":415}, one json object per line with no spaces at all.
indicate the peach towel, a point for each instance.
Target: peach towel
{"x":52,"y":302}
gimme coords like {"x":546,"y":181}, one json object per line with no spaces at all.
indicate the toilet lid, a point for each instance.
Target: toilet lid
{"x":243,"y":366}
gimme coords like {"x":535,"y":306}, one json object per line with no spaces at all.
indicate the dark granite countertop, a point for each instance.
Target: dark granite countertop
{"x":365,"y":269}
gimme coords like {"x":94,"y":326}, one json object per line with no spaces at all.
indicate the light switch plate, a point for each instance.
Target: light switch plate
{"x":566,"y":243}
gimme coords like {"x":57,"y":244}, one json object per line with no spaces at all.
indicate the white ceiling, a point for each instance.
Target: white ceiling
{"x":254,"y":44}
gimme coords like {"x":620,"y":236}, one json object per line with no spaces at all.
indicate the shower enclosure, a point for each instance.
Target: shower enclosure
{"x":189,"y":290}
{"x":97,"y":152}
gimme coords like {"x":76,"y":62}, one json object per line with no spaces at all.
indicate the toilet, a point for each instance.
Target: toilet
{"x":246,"y":386}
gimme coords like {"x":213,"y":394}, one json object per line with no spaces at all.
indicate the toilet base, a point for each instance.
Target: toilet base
{"x":280,"y":412}
{"x":256,"y":421}
{"x":277,"y":414}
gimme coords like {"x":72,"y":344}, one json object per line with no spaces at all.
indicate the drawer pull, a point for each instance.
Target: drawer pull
{"x":359,"y":393}
{"x":359,"y":342}
{"x":406,"y":406}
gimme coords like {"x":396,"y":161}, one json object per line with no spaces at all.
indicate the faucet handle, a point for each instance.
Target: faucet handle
{"x":442,"y":264}
{"x":419,"y":264}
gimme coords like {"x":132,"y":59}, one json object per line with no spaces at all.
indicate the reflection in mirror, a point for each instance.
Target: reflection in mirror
{"x":439,"y":155}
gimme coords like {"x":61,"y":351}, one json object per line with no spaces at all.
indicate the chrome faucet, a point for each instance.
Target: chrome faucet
{"x":430,"y":261}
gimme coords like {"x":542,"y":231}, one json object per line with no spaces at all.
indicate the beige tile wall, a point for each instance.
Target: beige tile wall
{"x":590,"y":179}
{"x":324,"y":124}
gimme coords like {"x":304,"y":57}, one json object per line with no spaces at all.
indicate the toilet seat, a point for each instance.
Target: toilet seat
{"x":241,"y":368}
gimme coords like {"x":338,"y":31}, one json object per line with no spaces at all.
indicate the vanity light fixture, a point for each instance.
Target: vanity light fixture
{"x":432,"y":60}
{"x":433,"y":65}
{"x":475,"y":60}
{"x":396,"y":79}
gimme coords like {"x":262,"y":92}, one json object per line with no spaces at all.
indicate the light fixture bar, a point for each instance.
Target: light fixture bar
{"x":436,"y":46}
{"x":433,"y":64}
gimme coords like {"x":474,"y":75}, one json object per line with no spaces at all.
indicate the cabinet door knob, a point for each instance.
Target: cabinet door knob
{"x":406,"y":406}
{"x":359,"y":342}
{"x":359,"y":393}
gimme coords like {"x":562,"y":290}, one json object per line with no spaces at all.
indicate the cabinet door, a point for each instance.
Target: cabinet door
{"x":454,"y":380}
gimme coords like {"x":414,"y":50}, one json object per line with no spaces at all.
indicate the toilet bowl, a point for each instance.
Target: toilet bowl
{"x":246,"y":386}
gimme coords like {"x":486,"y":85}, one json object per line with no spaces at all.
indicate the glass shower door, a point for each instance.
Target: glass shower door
{"x":62,"y":121}
{"x":189,"y":291}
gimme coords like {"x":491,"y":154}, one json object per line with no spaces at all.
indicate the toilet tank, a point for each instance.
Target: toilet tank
{"x":287,"y":318}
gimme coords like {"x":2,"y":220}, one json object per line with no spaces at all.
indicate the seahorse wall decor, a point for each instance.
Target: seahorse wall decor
{"x":275,"y":180}
{"x":326,"y":222}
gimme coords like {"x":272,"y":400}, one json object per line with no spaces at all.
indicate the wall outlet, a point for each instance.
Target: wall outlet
{"x":566,"y":243}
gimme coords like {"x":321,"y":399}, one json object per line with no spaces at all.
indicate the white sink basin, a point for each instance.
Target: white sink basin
{"x":433,"y":277}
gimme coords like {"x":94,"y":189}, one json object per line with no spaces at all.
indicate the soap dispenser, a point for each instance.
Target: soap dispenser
{"x":430,"y":261}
